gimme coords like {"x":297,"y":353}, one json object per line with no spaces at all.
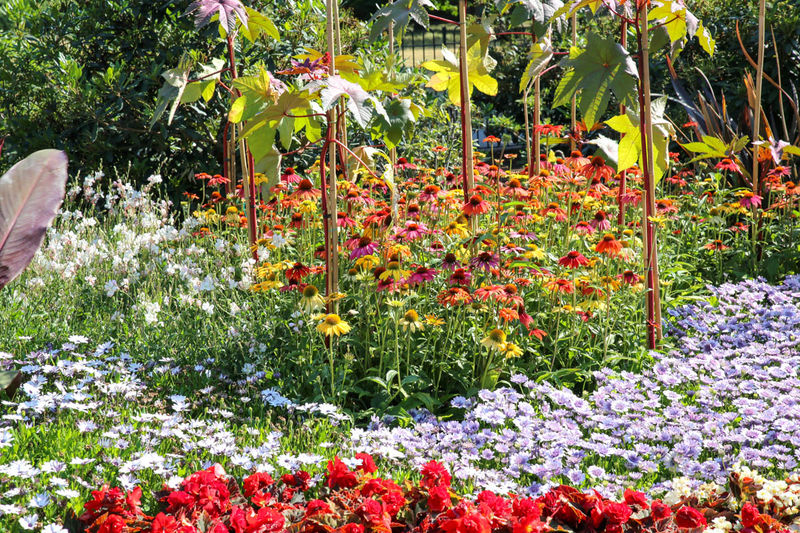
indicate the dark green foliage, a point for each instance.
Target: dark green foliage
{"x":82,"y":77}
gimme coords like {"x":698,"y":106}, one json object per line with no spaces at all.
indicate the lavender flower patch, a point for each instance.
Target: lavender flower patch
{"x":729,"y":394}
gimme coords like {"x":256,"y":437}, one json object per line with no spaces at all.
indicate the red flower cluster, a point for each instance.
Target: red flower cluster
{"x":357,"y":501}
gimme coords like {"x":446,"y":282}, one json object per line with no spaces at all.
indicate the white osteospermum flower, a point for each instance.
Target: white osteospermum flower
{"x":29,"y":522}
{"x":40,"y":500}
{"x":54,"y":528}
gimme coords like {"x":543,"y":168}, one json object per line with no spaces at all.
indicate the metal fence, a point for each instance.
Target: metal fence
{"x":420,"y":46}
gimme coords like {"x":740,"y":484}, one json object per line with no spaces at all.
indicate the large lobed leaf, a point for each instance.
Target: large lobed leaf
{"x":400,"y":13}
{"x":30,"y":195}
{"x":602,"y":68}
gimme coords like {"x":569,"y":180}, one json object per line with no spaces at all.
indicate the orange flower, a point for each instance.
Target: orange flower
{"x":476,"y":205}
{"x":608,"y":245}
{"x":597,"y":168}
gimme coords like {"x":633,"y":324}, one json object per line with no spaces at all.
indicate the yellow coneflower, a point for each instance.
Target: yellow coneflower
{"x":367,"y":262}
{"x":335,"y":297}
{"x":456,"y":229}
{"x":434,"y":321}
{"x":411,"y":321}
{"x":394,"y":302}
{"x":333,"y":325}
{"x":307,"y":207}
{"x":394,"y":270}
{"x":495,"y":339}
{"x":534,"y":252}
{"x":510,"y":350}
{"x":312,"y":300}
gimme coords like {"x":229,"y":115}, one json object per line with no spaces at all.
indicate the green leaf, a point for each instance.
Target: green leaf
{"x":175,"y":81}
{"x":706,"y":40}
{"x":630,"y":146}
{"x":447,"y":75}
{"x":258,"y":25}
{"x":541,"y":53}
{"x":237,"y":109}
{"x":603,"y":68}
{"x":399,"y":12}
{"x":285,"y":130}
{"x":400,"y":117}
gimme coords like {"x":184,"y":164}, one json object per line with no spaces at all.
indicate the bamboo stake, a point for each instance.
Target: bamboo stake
{"x":466,"y":114}
{"x":341,"y":127}
{"x":332,"y":241}
{"x":537,"y":119}
{"x":762,"y":7}
{"x":527,"y":129}
{"x":573,"y":117}
{"x":623,"y":176}
{"x":646,"y":131}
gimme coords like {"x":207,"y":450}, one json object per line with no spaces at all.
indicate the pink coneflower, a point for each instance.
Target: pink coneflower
{"x":515,"y":189}
{"x":289,"y":176}
{"x":421,"y":275}
{"x":573,"y":259}
{"x":583,"y":228}
{"x":460,"y":277}
{"x":665,"y":206}
{"x":413,"y":231}
{"x":728,"y":164}
{"x":513,"y":249}
{"x":630,"y":277}
{"x":402,"y":163}
{"x":485,"y":260}
{"x":218,"y":180}
{"x":430,"y":193}
{"x":524,"y":234}
{"x":511,"y":295}
{"x":450,"y":262}
{"x":779,"y":171}
{"x":600,"y":221}
{"x":364,"y":247}
{"x":344,"y":221}
{"x":749,"y":199}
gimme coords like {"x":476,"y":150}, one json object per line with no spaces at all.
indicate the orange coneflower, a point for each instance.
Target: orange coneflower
{"x":493,"y":292}
{"x":560,"y":285}
{"x":553,"y":208}
{"x":508,"y":314}
{"x":608,"y":245}
{"x":306,"y":191}
{"x":576,"y":161}
{"x":511,"y":295}
{"x":476,"y":205}
{"x":453,"y":296}
{"x":597,"y":168}
{"x":715,"y":245}
{"x":573,"y":259}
